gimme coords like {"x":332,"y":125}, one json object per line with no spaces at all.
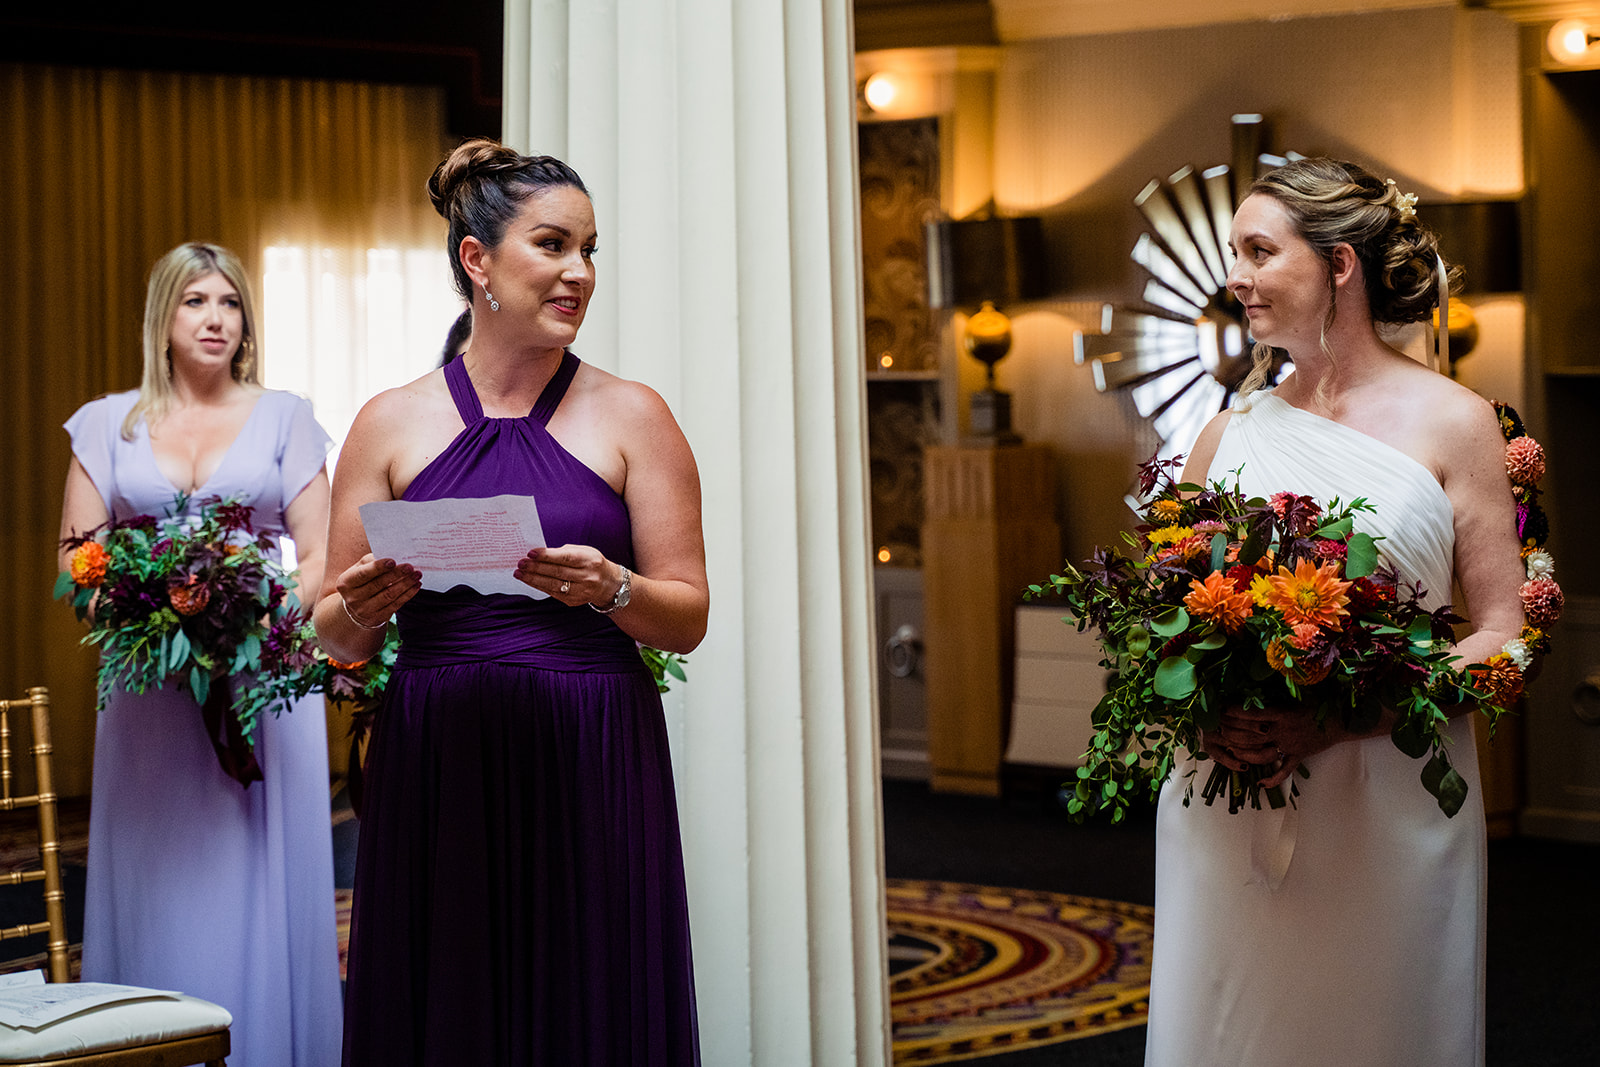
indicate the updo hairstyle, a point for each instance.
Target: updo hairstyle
{"x":1333,"y":202}
{"x":480,"y":188}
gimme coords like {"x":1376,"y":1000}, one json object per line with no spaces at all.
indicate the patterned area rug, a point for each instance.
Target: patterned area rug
{"x":977,"y":971}
{"x":974,"y":970}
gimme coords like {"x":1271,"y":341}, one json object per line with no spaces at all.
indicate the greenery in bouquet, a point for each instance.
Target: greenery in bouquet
{"x":197,"y":599}
{"x":1222,"y":599}
{"x":663,"y":666}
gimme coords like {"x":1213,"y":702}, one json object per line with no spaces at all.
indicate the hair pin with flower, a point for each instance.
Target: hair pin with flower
{"x":1405,"y":204}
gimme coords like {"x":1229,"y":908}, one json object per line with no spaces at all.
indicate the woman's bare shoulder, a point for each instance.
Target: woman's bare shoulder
{"x":416,"y":399}
{"x":621,"y":398}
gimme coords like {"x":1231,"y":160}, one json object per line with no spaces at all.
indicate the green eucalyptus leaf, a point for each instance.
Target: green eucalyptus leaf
{"x":1212,"y":640}
{"x":179,"y":651}
{"x":199,"y":684}
{"x":1175,"y":678}
{"x":1445,"y":784}
{"x":1219,"y":551}
{"x":1433,"y":773}
{"x":1361,"y":558}
{"x":64,"y":585}
{"x":1103,"y":713}
{"x":1138,"y":641}
{"x":1171,"y":623}
{"x":1252,"y":549}
{"x":1337,"y":530}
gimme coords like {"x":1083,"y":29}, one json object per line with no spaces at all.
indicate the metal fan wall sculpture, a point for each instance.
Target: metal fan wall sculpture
{"x":1182,"y":355}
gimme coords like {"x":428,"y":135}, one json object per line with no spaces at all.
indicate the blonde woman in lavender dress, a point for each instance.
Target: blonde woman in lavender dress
{"x":196,"y":882}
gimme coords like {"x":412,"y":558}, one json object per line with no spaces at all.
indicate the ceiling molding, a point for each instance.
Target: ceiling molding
{"x":1538,"y":11}
{"x":1027,"y":20}
{"x":883,"y":24}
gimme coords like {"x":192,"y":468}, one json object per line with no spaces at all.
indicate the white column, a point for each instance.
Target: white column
{"x":718,"y":140}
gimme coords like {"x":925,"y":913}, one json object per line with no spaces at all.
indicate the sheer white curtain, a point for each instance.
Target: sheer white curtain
{"x":343,"y":322}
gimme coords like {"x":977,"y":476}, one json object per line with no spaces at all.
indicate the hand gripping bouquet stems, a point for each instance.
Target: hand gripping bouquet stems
{"x":1222,"y":600}
{"x":200,"y":601}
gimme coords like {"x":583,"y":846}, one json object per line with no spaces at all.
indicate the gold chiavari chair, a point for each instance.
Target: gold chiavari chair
{"x":158,"y":1030}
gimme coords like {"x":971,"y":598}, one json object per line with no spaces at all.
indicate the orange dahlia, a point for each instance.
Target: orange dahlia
{"x":1314,"y":594}
{"x":88,"y":564}
{"x":190,"y":596}
{"x":1502,"y":678}
{"x":1306,"y":636}
{"x":1219,"y":600}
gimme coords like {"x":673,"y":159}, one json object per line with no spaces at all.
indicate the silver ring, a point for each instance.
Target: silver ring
{"x":566,"y":587}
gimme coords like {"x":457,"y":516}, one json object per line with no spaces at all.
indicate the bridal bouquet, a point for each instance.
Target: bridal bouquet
{"x":1226,"y":600}
{"x":198,"y":600}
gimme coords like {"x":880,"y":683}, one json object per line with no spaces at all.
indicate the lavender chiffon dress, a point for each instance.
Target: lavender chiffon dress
{"x":195,"y":882}
{"x":519,"y":883}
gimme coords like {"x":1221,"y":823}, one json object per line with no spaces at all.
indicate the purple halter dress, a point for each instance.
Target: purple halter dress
{"x":519,"y":894}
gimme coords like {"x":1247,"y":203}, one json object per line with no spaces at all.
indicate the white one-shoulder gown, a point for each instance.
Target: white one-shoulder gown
{"x":1349,"y":930}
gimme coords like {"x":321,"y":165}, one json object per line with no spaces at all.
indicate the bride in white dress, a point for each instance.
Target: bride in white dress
{"x":1348,"y":929}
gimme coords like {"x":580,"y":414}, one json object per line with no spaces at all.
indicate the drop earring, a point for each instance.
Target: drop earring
{"x":494,"y":305}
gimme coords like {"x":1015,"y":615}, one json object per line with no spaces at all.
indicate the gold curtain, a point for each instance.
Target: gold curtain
{"x":104,"y":171}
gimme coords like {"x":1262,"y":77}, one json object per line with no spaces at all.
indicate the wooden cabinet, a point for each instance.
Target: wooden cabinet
{"x":1059,"y":681}
{"x":990,"y":531}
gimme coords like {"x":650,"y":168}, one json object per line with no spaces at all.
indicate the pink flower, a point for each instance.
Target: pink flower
{"x":1542,"y":600}
{"x":1333,"y":550}
{"x":1525,"y":461}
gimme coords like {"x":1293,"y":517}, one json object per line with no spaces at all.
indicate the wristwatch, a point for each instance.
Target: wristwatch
{"x":624,"y":591}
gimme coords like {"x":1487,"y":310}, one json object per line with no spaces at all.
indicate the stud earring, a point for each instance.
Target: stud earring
{"x":494,"y":305}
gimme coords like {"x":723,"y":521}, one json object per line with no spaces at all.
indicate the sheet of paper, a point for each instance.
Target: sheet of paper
{"x":455,"y":542}
{"x":33,"y":1006}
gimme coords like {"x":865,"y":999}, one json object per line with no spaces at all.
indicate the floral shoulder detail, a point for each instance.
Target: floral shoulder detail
{"x":1542,"y":599}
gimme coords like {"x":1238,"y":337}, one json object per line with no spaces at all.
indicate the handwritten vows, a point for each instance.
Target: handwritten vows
{"x":455,"y":542}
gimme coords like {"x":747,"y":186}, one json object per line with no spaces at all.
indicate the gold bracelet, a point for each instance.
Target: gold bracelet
{"x":352,"y":617}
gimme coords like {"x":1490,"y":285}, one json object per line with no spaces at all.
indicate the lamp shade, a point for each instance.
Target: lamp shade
{"x":1484,"y":237}
{"x":973,"y":260}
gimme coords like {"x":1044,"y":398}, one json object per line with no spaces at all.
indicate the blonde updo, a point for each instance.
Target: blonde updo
{"x":1333,"y":202}
{"x":480,"y":188}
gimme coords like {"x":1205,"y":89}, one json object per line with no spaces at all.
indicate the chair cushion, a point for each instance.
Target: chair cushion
{"x":127,"y":1023}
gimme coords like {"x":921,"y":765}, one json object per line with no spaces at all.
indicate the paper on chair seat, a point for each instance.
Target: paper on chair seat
{"x":37,"y":1004}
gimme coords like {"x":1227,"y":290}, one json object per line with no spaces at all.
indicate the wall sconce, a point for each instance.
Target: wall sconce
{"x":878,"y":91}
{"x":1483,"y":237}
{"x":1572,"y":41}
{"x":981,"y":266}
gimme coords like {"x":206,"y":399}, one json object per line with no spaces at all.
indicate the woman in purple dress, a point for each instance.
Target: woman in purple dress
{"x":196,"y":882}
{"x":519,"y":883}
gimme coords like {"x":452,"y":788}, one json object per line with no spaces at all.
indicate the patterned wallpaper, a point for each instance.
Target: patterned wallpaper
{"x":899,"y":192}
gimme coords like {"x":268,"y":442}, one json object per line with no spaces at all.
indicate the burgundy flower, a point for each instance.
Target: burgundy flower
{"x":1367,"y":595}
